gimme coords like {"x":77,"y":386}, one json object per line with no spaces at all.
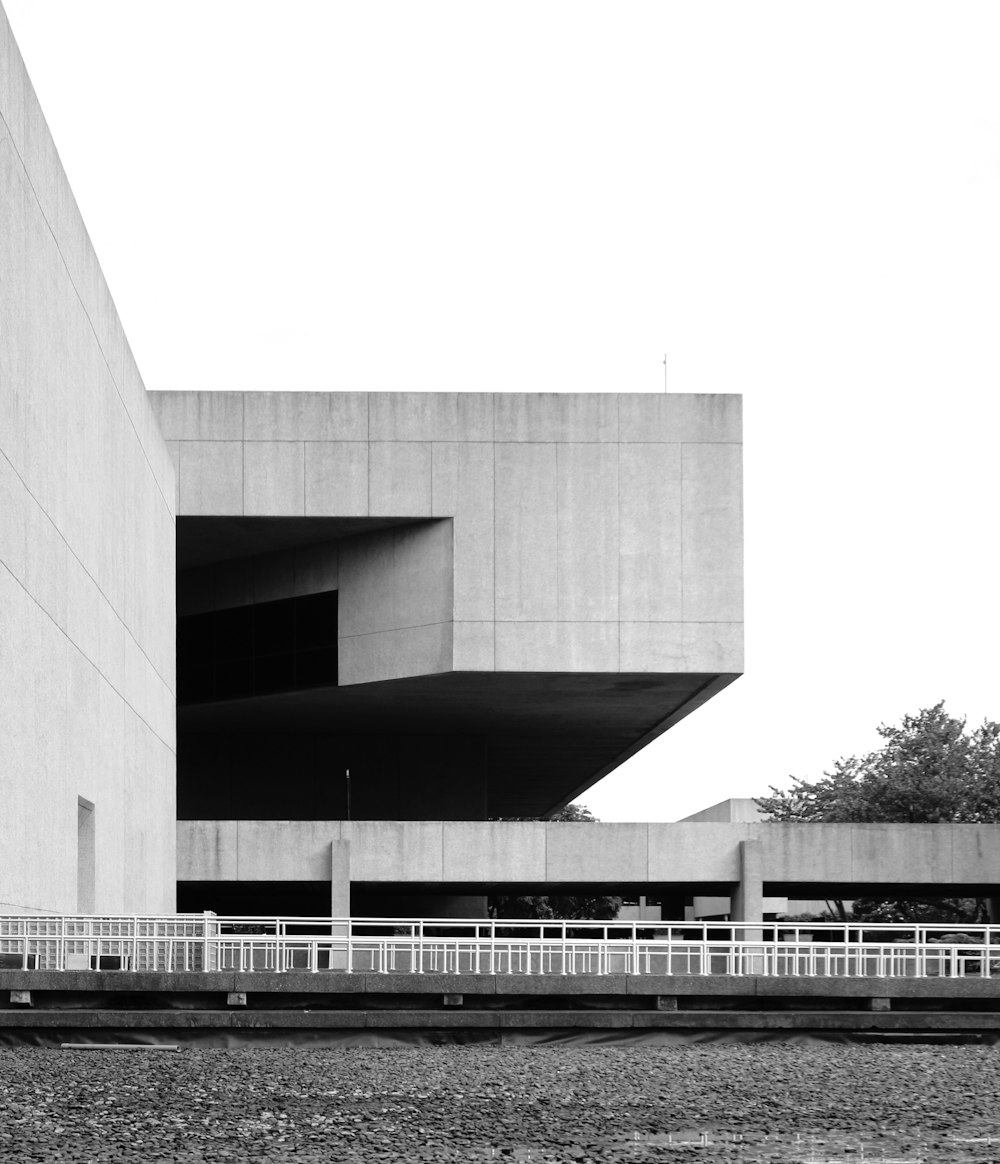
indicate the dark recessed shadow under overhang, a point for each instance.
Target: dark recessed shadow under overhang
{"x":548,"y":735}
{"x":202,"y":541}
{"x":846,"y":891}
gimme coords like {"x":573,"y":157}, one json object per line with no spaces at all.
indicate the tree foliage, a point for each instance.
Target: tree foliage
{"x":930,"y":769}
{"x":920,"y":910}
{"x":559,"y":906}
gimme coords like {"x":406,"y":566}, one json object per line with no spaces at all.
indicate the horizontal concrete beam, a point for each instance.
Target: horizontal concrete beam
{"x":556,"y":853}
{"x":94,"y":982}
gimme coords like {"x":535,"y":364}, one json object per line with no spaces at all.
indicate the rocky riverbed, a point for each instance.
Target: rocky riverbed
{"x":741,"y":1102}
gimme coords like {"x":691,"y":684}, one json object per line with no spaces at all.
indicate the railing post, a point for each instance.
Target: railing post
{"x":205,"y":964}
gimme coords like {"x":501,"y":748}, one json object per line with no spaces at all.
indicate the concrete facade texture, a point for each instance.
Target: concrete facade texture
{"x":736,"y":809}
{"x":596,"y":533}
{"x":526,"y":588}
{"x":743,"y":809}
{"x":513,"y":557}
{"x":458,"y":855}
{"x":86,"y":555}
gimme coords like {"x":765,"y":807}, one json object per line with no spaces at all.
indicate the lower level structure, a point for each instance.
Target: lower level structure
{"x":446,"y":868}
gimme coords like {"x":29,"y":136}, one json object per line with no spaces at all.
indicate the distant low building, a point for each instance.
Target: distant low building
{"x":743,"y":810}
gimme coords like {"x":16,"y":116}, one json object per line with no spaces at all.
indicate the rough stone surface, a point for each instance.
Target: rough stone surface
{"x":477,"y":1103}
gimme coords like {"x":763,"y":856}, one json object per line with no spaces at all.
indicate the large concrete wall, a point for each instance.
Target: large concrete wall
{"x":590,"y":533}
{"x":396,"y":607}
{"x":86,"y":556}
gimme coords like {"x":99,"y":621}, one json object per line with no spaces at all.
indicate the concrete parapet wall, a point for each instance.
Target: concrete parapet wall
{"x":539,"y":853}
{"x":330,"y":982}
{"x":84,"y":1006}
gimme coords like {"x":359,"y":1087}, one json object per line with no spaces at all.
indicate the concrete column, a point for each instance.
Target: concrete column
{"x":340,"y":879}
{"x":340,"y":898}
{"x":748,"y":898}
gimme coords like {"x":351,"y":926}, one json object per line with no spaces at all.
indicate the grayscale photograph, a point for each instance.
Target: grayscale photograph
{"x":424,"y":734}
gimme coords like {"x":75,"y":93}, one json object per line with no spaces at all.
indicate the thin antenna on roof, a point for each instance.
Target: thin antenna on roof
{"x":664,"y":371}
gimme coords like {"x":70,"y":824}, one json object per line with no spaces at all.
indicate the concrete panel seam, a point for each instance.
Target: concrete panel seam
{"x":138,"y":715}
{"x":574,"y":441}
{"x":683,"y":532}
{"x":86,"y":312}
{"x":618,"y":597}
{"x":11,"y":905}
{"x":347,"y":440}
{"x":97,"y":586}
{"x":558,"y":540}
{"x":554,"y":621}
{"x":383,"y":630}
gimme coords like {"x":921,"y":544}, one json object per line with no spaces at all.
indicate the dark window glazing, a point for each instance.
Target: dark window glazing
{"x":258,"y":650}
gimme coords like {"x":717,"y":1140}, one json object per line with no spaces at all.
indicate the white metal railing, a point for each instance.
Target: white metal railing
{"x":199,"y":942}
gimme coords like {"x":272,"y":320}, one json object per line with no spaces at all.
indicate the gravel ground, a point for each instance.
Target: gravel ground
{"x":742,"y":1102}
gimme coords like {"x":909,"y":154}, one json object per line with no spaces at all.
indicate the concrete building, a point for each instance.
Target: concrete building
{"x":308,"y":611}
{"x":290,"y":652}
{"x":744,"y":810}
{"x":517,"y":593}
{"x":87,"y":529}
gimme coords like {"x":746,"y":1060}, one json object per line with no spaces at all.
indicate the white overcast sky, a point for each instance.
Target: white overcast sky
{"x":797,"y":201}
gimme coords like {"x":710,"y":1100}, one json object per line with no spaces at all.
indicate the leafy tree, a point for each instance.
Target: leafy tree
{"x":929,"y":770}
{"x":574,"y":812}
{"x":560,"y":906}
{"x":920,"y":909}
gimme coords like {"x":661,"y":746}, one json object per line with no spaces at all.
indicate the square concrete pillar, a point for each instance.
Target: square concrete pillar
{"x":340,"y":879}
{"x":340,"y":901}
{"x":748,"y":898}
